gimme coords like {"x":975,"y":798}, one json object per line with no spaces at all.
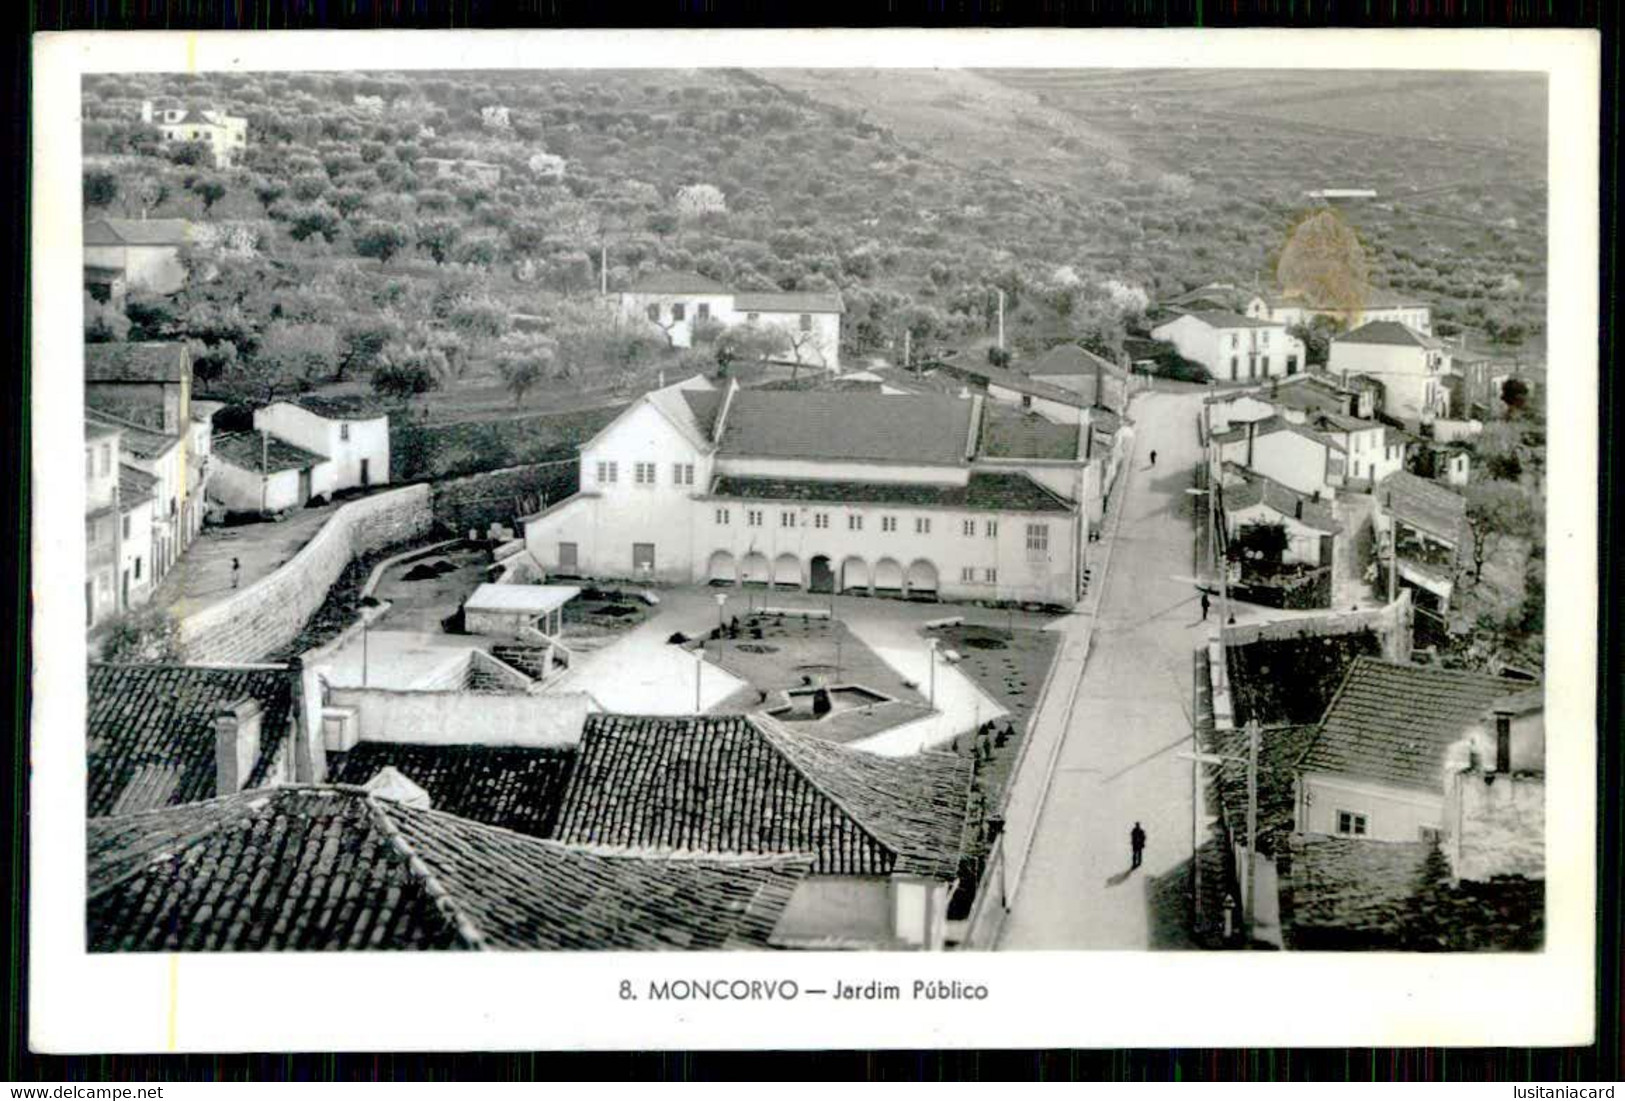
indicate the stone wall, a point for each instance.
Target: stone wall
{"x":502,"y":496}
{"x":272,"y":611}
{"x":1496,"y":826}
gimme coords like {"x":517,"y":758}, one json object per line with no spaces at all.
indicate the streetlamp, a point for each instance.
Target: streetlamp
{"x":699,"y":664}
{"x":931,"y":657}
{"x":722,"y":601}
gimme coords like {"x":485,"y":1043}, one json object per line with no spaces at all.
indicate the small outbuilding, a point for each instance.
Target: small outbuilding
{"x":505,"y":609}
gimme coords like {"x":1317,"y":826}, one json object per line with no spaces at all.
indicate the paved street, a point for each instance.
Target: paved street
{"x":1119,"y":763}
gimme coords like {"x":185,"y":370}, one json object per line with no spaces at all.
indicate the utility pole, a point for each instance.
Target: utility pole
{"x":265,"y":462}
{"x":603,"y":266}
{"x":1250,"y":880}
{"x":908,"y":337}
{"x":1393,"y":553}
{"x":1000,"y":292}
{"x":699,"y":664}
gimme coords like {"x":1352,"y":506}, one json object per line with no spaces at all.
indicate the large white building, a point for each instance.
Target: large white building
{"x":225,"y":135}
{"x":672,"y":302}
{"x":1232,"y":347}
{"x":1410,"y":365}
{"x":1374,"y":305}
{"x":352,"y":433}
{"x":829,"y":491}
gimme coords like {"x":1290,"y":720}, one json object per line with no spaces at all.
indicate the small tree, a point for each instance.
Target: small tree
{"x":304,"y":352}
{"x":382,"y":240}
{"x":481,"y":251}
{"x":190,"y":153}
{"x":437,"y":237}
{"x":523,"y":363}
{"x":104,"y":323}
{"x":145,"y":194}
{"x":1515,"y":395}
{"x":406,"y":373}
{"x":210,"y":189}
{"x":305,"y":222}
{"x":101,"y":187}
{"x":362,"y":340}
{"x":268,"y":191}
{"x":478,"y":323}
{"x":1496,"y":511}
{"x":146,"y":636}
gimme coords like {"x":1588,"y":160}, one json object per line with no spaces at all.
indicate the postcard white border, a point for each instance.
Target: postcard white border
{"x":80,"y":1003}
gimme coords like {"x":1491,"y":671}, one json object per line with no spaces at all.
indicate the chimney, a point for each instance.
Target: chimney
{"x":1297,"y":508}
{"x":1503,"y":743}
{"x":236,"y":744}
{"x":146,"y":111}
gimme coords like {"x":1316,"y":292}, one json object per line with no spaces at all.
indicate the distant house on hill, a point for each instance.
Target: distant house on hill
{"x":122,"y":254}
{"x":673,"y":302}
{"x":1372,"y":305}
{"x":225,"y":135}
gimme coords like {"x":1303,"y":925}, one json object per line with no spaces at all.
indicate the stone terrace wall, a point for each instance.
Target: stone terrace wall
{"x":271,"y":612}
{"x":502,"y":496}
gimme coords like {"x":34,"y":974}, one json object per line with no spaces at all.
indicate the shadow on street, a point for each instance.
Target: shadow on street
{"x":1168,"y":909}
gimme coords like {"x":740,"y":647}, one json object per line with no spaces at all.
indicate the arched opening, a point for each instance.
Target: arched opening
{"x":722,"y":569}
{"x":922,"y":579}
{"x":854,"y":574}
{"x":888,"y":577}
{"x":787,"y":572}
{"x":820,"y":577}
{"x":755,"y":570}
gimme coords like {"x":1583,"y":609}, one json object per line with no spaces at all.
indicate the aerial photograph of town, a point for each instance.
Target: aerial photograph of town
{"x":781,"y":509}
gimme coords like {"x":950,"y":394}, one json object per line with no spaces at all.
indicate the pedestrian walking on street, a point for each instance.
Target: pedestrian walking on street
{"x":1205,"y":603}
{"x":1136,"y":840}
{"x":236,"y":569}
{"x":1153,"y":458}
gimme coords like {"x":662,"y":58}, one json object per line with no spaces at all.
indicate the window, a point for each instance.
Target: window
{"x":1265,"y":338}
{"x":854,"y":522}
{"x":722,"y":517}
{"x":654,"y":313}
{"x":1026,"y":401}
{"x":643,"y":557}
{"x":1235,"y":340}
{"x":787,"y":519}
{"x":678,"y":312}
{"x":967,"y":574}
{"x":138,"y":568}
{"x":344,"y":430}
{"x":643,"y":474}
{"x":92,"y":533}
{"x":991,"y":527}
{"x":107,"y":459}
{"x":90,"y":463}
{"x":606,"y":473}
{"x":753,"y":518}
{"x":888,"y":523}
{"x":1038,"y":538}
{"x":922,"y":525}
{"x":990,"y":575}
{"x":1234,"y":363}
{"x":820,"y":520}
{"x":967,"y":527}
{"x":1430,"y":835}
{"x":682,"y":474}
{"x":1266,"y":366}
{"x":126,"y":526}
{"x":703,"y":311}
{"x":1351,"y":824}
{"x":806,"y":322}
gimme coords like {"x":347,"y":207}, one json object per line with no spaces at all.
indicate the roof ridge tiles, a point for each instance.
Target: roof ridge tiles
{"x":444,"y":902}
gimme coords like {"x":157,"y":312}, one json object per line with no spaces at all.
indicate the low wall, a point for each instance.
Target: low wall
{"x":272,"y":611}
{"x":466,"y":718}
{"x":1392,"y":622}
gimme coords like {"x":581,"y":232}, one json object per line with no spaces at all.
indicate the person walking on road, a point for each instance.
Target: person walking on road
{"x":1153,"y":457}
{"x":236,"y":570}
{"x":1136,"y":840}
{"x":1205,"y":605}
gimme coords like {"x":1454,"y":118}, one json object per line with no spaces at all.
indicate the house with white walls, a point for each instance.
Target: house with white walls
{"x":353,"y":433}
{"x":672,"y":303}
{"x":125,"y":254}
{"x":824,"y":491}
{"x":1249,"y":499}
{"x":1232,"y":346}
{"x":225,"y":135}
{"x":1295,"y":455}
{"x":1374,"y":304}
{"x":263,"y":473}
{"x":1410,"y":365}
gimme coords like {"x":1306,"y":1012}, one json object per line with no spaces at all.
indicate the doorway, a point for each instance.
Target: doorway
{"x":366,"y":473}
{"x":823,"y":577}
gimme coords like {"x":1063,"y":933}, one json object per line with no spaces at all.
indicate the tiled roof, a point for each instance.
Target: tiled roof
{"x":333,"y":868}
{"x":263,"y":452}
{"x":515,"y":787}
{"x":134,"y":485}
{"x":1391,"y":723}
{"x":150,"y":730}
{"x":1278,"y":751}
{"x":1230,"y":296}
{"x":672,"y":402}
{"x":1010,"y":433}
{"x":745,"y":785}
{"x":1342,"y":893}
{"x":704,"y":405}
{"x":1272,"y":424}
{"x":95,"y":430}
{"x":1070,"y":359}
{"x":1228,"y":319}
{"x":1424,"y":504}
{"x":913,"y":428}
{"x":985,"y":492}
{"x":1255,"y":489}
{"x":1012,"y":380}
{"x":102,"y":271}
{"x":790,"y":302}
{"x":1373,"y":298}
{"x":1521,"y":703}
{"x":341,"y":406}
{"x":1342,"y":422}
{"x":147,"y":361}
{"x":119,"y":232}
{"x":1385,"y":332}
{"x":136,"y":439}
{"x":677,"y":282}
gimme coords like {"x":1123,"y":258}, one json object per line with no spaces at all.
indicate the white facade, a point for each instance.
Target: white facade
{"x":673,"y":315}
{"x":1411,"y":376}
{"x":243,"y":490}
{"x":357,"y":447}
{"x":1297,"y":461}
{"x":1237,"y":352}
{"x":1060,"y":412}
{"x":135,"y":553}
{"x":226,"y":135}
{"x":155,"y":268}
{"x":815,"y":335}
{"x":1239,"y":409}
{"x":813,"y":331}
{"x":1342,"y":805}
{"x":1415,"y":315}
{"x":645,"y":512}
